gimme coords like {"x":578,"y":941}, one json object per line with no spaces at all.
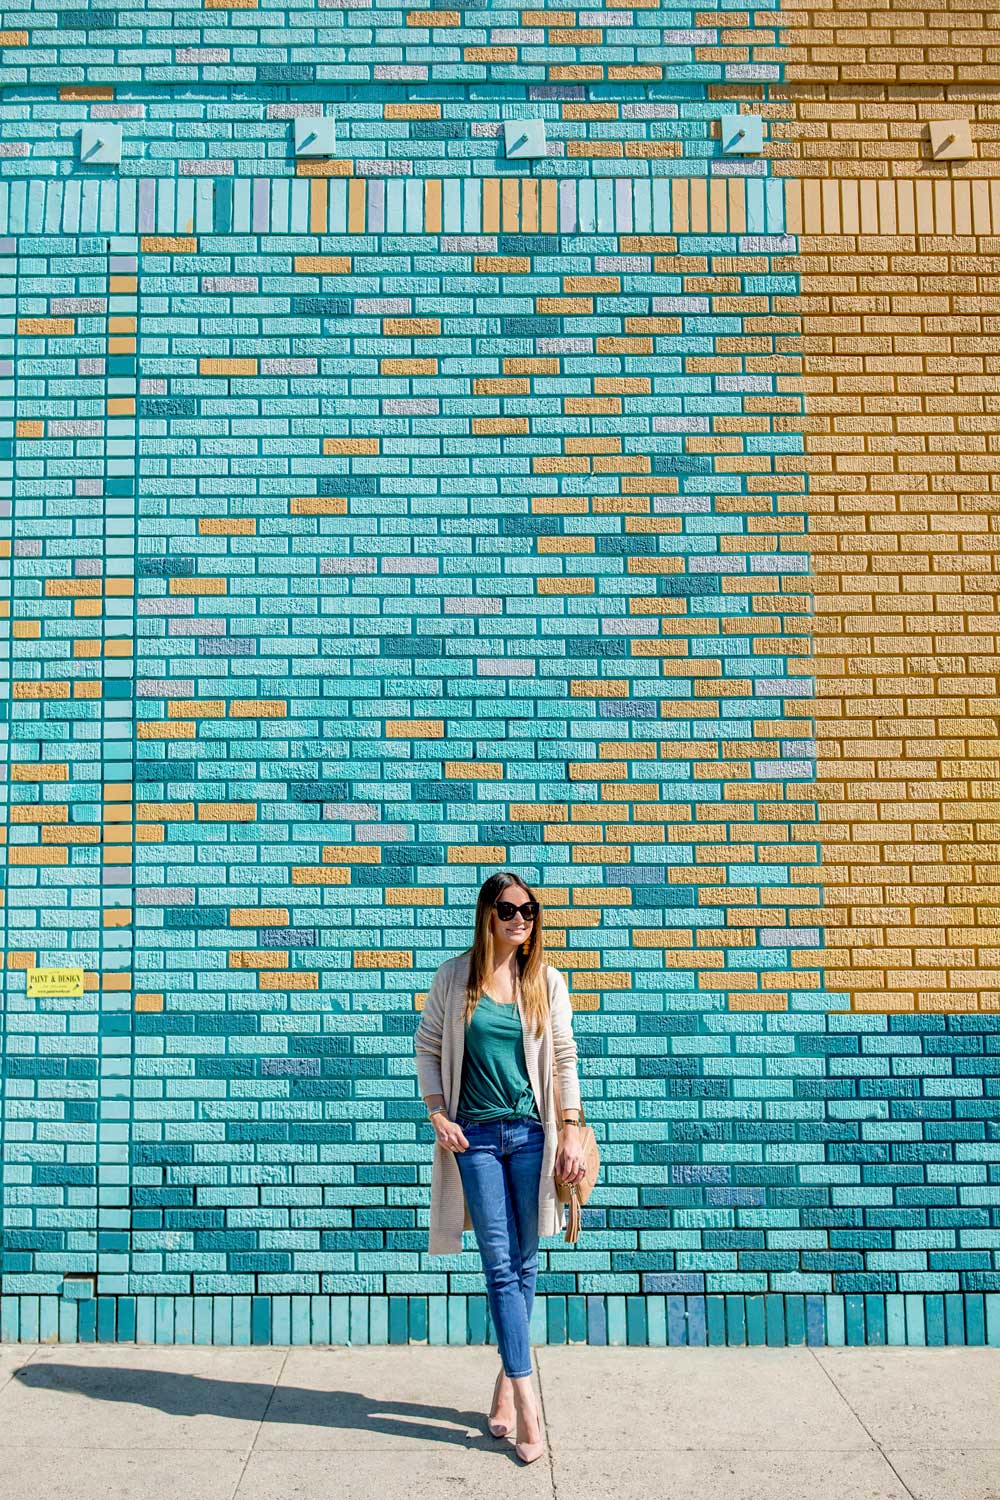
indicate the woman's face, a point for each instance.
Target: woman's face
{"x":517,"y":930}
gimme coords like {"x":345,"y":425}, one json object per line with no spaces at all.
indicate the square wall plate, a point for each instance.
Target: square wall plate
{"x":315,"y":136}
{"x":101,"y":145}
{"x":742,"y":135}
{"x":522,"y":138}
{"x":951,"y":140}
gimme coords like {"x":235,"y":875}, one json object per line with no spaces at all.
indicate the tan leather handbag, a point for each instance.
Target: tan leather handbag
{"x":576,"y":1193}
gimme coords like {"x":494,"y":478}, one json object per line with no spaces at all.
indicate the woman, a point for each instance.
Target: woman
{"x":494,"y":1019}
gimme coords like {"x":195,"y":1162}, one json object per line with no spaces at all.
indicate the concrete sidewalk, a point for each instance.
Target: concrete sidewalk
{"x":121,"y":1422}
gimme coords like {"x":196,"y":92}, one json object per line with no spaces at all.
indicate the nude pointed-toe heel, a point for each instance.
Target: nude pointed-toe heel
{"x":498,"y":1429}
{"x":528,"y":1452}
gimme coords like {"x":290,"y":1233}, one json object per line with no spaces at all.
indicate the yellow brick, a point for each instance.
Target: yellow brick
{"x":383,"y":958}
{"x":67,"y":833}
{"x":199,"y":587}
{"x":350,"y":447}
{"x":408,"y":366}
{"x":111,"y":984}
{"x":476,"y":854}
{"x":502,"y":265}
{"x":217,"y":526}
{"x":72,"y":588}
{"x":156,"y":731}
{"x":501,"y":386}
{"x":578,"y":72}
{"x":352,"y":854}
{"x":37,"y":773}
{"x":257,"y":708}
{"x":204,"y":708}
{"x":167,"y":244}
{"x":227,"y":812}
{"x":41,"y":692}
{"x":411,"y":112}
{"x":588,"y":111}
{"x":317,"y":505}
{"x":476,"y":770}
{"x":499,"y":426}
{"x":411,"y":327}
{"x":37,"y":812}
{"x":595,"y":148}
{"x":22,"y":854}
{"x":412,"y":895}
{"x":323,"y":265}
{"x":258,"y":916}
{"x":523,"y":365}
{"x":583,"y":687}
{"x":315,"y":166}
{"x":564,"y":306}
{"x":166,"y":812}
{"x":45,"y":327}
{"x":414,"y":729}
{"x":319,"y":875}
{"x":553,"y":587}
{"x":300,"y":979}
{"x":227,"y":367}
{"x":489,"y":54}
{"x":257,"y":958}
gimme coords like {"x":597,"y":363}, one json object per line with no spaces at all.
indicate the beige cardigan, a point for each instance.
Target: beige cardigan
{"x":439,"y":1044}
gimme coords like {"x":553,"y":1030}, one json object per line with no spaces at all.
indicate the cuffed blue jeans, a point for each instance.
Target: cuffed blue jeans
{"x":500,"y":1174}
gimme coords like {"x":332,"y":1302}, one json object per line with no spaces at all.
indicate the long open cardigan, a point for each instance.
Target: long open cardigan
{"x":439,"y":1044}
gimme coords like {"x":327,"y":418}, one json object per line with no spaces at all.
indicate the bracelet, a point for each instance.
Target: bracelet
{"x":437,"y":1110}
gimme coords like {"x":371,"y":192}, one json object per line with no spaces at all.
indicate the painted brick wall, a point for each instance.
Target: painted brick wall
{"x":378,"y":522}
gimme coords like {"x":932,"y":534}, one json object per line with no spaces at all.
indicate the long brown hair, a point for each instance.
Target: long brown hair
{"x":530,"y":956}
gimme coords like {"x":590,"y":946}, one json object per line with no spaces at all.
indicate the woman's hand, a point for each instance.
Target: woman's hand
{"x":449,"y":1134}
{"x":570,"y":1160}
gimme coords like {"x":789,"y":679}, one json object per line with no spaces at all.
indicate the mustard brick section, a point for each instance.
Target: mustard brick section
{"x":922,"y":42}
{"x":906,"y":206}
{"x":902,"y":392}
{"x":867,"y":131}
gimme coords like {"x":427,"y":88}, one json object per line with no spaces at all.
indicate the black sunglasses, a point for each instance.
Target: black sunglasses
{"x":507,"y":911}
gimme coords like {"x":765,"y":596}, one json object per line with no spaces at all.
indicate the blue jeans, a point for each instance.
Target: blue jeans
{"x":500,"y":1174}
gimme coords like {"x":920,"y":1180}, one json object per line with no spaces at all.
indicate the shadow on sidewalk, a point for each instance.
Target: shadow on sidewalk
{"x":186,"y":1395}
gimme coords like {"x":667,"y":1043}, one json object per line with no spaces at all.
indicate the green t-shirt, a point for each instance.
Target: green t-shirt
{"x":495,"y":1083}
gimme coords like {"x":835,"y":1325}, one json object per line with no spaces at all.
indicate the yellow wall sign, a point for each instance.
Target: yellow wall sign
{"x":54,"y":983}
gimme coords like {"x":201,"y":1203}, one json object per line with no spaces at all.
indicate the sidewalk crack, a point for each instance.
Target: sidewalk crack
{"x":260,"y":1424}
{"x":545,"y":1429}
{"x":863,"y":1425}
